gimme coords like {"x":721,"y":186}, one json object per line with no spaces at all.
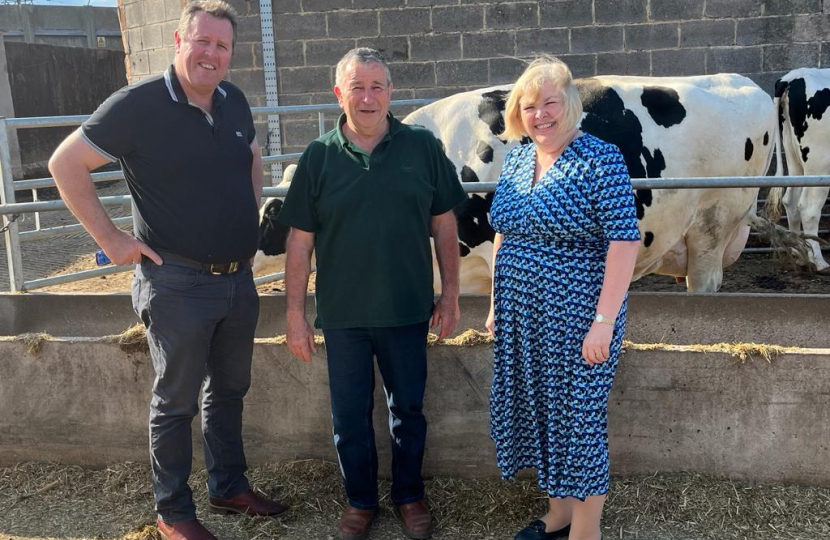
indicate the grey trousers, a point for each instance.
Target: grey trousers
{"x":200,"y":330}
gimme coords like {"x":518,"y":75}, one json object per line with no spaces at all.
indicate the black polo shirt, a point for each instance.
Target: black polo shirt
{"x":371,"y":216}
{"x":189,"y":172}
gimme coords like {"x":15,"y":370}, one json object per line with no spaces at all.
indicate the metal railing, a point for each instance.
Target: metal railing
{"x":9,"y":207}
{"x":14,"y":237}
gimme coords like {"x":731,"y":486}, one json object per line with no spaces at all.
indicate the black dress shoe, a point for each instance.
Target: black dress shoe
{"x":536,"y":531}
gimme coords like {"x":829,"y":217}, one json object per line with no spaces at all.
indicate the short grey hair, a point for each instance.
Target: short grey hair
{"x":216,"y":8}
{"x":361,"y":55}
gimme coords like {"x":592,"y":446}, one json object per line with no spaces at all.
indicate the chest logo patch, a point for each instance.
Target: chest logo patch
{"x":239,"y":134}
{"x":407,"y":168}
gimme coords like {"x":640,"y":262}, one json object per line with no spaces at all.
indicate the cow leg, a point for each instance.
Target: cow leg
{"x":791,"y":206}
{"x":810,"y":205}
{"x":706,"y":276}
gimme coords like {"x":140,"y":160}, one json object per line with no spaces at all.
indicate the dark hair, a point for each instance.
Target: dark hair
{"x":216,"y":8}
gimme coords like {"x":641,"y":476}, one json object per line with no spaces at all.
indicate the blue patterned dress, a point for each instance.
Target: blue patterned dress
{"x":548,"y":407}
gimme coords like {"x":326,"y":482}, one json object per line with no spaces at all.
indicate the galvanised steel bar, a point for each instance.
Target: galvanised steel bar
{"x":270,"y":277}
{"x":74,"y":120}
{"x":51,"y":232}
{"x":10,"y":225}
{"x":37,"y":183}
{"x":281,"y":157}
{"x":487,"y":187}
{"x":46,"y":121}
{"x":51,"y":206}
{"x":771,"y":250}
{"x":77,"y":276}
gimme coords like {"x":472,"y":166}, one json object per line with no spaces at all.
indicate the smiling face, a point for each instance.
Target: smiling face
{"x":542,"y":117}
{"x":364,"y":95}
{"x":204,"y":54}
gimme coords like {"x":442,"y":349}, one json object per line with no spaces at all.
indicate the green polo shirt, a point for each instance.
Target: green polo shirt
{"x":371,"y":217}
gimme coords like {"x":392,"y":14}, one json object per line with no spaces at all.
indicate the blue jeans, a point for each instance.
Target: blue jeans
{"x":401,"y":354}
{"x":200,"y":330}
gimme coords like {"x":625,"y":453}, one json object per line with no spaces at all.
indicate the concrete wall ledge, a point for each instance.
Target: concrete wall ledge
{"x":85,"y":401}
{"x":678,"y":318}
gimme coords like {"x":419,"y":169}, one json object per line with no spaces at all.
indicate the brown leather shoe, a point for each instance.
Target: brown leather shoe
{"x":354,"y":523}
{"x":415,"y":519}
{"x":184,"y":530}
{"x":248,"y":503}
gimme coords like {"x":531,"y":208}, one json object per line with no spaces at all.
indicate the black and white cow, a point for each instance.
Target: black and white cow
{"x":270,"y":257}
{"x":802,"y":98}
{"x":717,"y":125}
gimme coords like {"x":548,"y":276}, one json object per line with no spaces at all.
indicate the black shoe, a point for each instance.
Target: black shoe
{"x":536,"y":531}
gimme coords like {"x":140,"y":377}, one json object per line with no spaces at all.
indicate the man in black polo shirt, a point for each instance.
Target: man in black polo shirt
{"x":186,"y":143}
{"x":367,"y":196}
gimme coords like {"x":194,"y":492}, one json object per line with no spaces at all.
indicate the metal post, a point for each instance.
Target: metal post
{"x":321,"y":123}
{"x":37,"y":214}
{"x":11,"y":235}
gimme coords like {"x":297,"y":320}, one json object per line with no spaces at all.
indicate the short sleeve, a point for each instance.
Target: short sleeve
{"x":448,"y":191}
{"x":110,"y":130}
{"x":613,"y":196}
{"x":298,"y":210}
{"x":251,"y":128}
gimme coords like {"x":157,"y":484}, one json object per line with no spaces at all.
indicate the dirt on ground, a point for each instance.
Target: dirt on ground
{"x":47,"y":500}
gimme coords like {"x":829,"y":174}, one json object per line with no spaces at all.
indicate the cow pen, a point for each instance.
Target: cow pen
{"x":11,"y":210}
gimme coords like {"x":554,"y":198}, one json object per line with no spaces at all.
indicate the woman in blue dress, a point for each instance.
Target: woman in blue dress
{"x":565,"y":248}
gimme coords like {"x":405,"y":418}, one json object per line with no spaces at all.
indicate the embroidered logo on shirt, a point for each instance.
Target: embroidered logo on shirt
{"x":239,"y":134}
{"x":407,"y":168}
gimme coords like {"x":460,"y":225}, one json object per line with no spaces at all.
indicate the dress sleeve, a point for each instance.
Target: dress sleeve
{"x":299,"y":210}
{"x":613,"y":197}
{"x":110,"y":130}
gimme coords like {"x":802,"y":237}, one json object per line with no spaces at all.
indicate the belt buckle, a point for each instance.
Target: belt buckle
{"x":223,"y":269}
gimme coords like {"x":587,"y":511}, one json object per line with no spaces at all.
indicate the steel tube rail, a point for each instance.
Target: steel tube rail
{"x":280,"y":158}
{"x":74,"y":120}
{"x":771,"y":250}
{"x":10,"y":224}
{"x":730,"y":182}
{"x":52,"y":206}
{"x":77,"y":276}
{"x":270,"y":277}
{"x":46,"y":121}
{"x":38,"y":183}
{"x":488,"y":187}
{"x":51,"y":232}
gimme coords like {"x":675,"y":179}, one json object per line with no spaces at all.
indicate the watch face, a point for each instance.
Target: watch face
{"x":599,"y":318}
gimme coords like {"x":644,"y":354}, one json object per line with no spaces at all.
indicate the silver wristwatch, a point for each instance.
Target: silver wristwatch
{"x":600,"y":318}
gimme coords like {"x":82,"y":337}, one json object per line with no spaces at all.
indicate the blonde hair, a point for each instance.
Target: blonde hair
{"x":544,"y":69}
{"x":215,"y":8}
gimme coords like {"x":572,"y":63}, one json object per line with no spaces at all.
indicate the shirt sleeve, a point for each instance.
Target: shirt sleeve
{"x":613,"y":197}
{"x":299,"y":210}
{"x":110,"y":130}
{"x":448,"y":191}
{"x":251,"y":127}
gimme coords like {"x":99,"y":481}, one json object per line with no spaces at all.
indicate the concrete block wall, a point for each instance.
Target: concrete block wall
{"x":64,"y":26}
{"x":440,"y":47}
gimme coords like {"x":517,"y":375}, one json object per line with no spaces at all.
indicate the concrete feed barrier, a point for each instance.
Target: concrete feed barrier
{"x":85,"y":401}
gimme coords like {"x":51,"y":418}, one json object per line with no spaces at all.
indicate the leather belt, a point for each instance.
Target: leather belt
{"x":217,"y":269}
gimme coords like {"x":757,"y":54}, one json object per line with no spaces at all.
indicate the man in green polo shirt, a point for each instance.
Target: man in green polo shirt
{"x":367,"y":196}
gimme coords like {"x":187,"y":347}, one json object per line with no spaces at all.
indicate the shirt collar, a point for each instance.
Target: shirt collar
{"x":394,"y":127}
{"x":174,"y":87}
